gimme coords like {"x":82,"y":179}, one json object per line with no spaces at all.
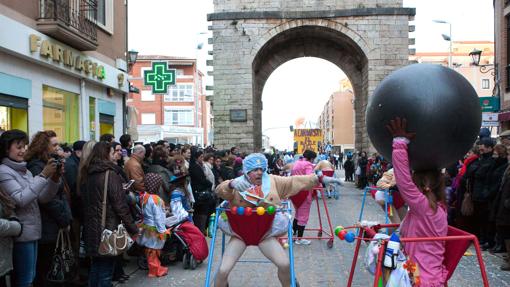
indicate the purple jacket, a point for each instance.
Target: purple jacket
{"x":420,"y":221}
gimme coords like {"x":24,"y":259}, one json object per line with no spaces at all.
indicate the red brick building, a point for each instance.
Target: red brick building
{"x":182,"y":115}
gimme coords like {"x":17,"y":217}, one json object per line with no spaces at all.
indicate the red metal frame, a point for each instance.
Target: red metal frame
{"x":320,"y":231}
{"x":380,"y":257}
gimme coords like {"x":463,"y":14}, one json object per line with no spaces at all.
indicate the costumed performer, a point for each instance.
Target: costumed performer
{"x":257,"y":189}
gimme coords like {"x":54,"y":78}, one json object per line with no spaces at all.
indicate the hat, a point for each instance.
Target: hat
{"x":488,"y":142}
{"x":505,"y":133}
{"x":254,"y":161}
{"x":78,"y":145}
{"x":153,"y":182}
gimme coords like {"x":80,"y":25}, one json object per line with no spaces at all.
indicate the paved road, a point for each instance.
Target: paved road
{"x":316,"y":265}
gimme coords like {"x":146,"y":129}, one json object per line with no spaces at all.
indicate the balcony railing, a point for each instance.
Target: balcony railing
{"x":70,"y":21}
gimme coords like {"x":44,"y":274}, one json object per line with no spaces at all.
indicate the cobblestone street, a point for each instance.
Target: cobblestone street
{"x":316,"y":265}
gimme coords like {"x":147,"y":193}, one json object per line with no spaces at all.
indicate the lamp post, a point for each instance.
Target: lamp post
{"x":476,"y":55}
{"x":132,"y":56}
{"x":447,"y":38}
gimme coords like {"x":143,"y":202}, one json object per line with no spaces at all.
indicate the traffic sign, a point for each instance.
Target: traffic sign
{"x":159,"y":77}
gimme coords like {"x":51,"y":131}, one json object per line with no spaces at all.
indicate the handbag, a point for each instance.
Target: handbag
{"x":114,"y":242}
{"x":203,"y":197}
{"x":63,"y":264}
{"x":467,"y":207}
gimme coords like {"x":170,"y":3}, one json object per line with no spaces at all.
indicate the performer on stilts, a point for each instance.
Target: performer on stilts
{"x":255,"y":188}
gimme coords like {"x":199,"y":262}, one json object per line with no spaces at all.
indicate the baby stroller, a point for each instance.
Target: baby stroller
{"x":186,"y":244}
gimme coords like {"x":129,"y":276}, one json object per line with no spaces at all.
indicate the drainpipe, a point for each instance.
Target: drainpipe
{"x":84,"y":112}
{"x":124,"y":107}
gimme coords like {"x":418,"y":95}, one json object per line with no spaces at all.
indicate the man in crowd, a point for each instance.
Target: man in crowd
{"x":134,"y":169}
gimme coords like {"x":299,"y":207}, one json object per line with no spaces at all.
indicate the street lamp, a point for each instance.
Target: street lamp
{"x":476,"y":55}
{"x":447,"y":38}
{"x":132,"y":57}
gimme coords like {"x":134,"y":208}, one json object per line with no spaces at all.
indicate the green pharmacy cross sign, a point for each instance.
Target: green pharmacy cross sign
{"x":159,"y":77}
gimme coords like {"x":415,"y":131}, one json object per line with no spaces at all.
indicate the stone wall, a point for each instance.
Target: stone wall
{"x":367,"y":44}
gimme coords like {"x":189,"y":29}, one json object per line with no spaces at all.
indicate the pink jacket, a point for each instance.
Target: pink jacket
{"x":420,"y":221}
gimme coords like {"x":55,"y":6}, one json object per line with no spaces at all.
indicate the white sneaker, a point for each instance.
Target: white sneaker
{"x":303,"y":242}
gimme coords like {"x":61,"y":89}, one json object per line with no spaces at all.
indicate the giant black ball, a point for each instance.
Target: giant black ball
{"x":440,"y":106}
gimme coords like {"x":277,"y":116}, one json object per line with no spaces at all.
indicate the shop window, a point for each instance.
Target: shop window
{"x":106,"y":123}
{"x":61,"y":114}
{"x":13,"y":113}
{"x":92,"y":117}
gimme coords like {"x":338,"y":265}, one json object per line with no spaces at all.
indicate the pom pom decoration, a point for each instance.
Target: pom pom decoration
{"x":248,"y":211}
{"x":338,"y":229}
{"x":349,"y":237}
{"x":240,"y":210}
{"x":233,"y":209}
{"x":341,"y":234}
{"x":261,"y":210}
{"x":271,"y":210}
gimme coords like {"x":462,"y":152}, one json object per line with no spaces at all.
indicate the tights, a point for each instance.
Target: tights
{"x":269,"y":247}
{"x":299,"y":229}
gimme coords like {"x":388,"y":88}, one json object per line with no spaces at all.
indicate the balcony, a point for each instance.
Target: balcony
{"x":69,"y":21}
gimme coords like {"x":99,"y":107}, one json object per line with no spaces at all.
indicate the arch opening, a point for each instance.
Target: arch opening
{"x":312,"y":41}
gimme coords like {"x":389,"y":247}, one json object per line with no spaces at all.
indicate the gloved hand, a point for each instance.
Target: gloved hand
{"x":240,"y":183}
{"x":331,"y":180}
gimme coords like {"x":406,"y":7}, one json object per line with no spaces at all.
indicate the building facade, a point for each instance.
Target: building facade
{"x":502,"y":45}
{"x":337,"y":118}
{"x":481,"y":80}
{"x":63,"y":67}
{"x":182,"y":115}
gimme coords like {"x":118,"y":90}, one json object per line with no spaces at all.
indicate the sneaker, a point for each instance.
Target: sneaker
{"x":303,"y":242}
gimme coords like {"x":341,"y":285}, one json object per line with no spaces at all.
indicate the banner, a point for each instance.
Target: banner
{"x":308,"y":139}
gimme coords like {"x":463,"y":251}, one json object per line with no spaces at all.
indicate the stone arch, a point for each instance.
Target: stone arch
{"x":319,"y":38}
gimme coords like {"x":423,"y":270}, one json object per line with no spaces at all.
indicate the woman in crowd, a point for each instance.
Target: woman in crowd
{"x":98,"y":165}
{"x":494,"y":187}
{"x":10,"y":228}
{"x":227,"y":169}
{"x":55,"y":214}
{"x":217,"y":170}
{"x":362,"y":165}
{"x":502,"y":217}
{"x":27,"y":191}
{"x":202,"y":192}
{"x":160,"y":166}
{"x":424,"y":193}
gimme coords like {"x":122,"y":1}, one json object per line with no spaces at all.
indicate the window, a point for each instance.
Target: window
{"x":61,"y":114}
{"x":103,"y":16}
{"x":179,"y":72}
{"x":147,"y":96}
{"x":178,"y":116}
{"x":92,"y":117}
{"x":180,"y":93}
{"x":486,"y":84}
{"x":148,"y":118}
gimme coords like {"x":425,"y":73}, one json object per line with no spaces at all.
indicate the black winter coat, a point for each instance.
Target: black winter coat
{"x":55,"y":214}
{"x":478,"y":174}
{"x":71,"y":176}
{"x":502,"y":201}
{"x":117,"y":209}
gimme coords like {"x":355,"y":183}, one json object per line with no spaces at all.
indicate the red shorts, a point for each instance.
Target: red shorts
{"x":251,"y":229}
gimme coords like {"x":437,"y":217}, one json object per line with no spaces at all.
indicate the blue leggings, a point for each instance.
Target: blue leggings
{"x":24,"y":260}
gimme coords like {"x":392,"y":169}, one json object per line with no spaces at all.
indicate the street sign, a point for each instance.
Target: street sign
{"x":489,"y":104}
{"x":490,"y":124}
{"x":159,"y":77}
{"x":489,"y":117}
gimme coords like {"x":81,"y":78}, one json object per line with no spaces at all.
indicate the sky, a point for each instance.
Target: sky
{"x":176,"y":28}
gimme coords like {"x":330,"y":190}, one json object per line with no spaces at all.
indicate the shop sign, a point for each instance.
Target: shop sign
{"x":159,"y":77}
{"x":67,"y":57}
{"x":489,"y":104}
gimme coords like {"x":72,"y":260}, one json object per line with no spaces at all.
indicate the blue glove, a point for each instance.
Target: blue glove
{"x":240,"y":183}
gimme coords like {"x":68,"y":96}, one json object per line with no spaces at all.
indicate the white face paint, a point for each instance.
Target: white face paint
{"x":255,"y":176}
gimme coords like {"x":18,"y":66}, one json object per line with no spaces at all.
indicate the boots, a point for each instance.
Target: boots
{"x":155,"y":268}
{"x":506,"y":265}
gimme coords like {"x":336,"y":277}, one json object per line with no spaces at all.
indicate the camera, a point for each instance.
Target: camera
{"x":58,"y":161}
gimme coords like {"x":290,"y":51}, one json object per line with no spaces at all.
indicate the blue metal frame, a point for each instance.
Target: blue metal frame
{"x":387,"y":200}
{"x":219,"y":210}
